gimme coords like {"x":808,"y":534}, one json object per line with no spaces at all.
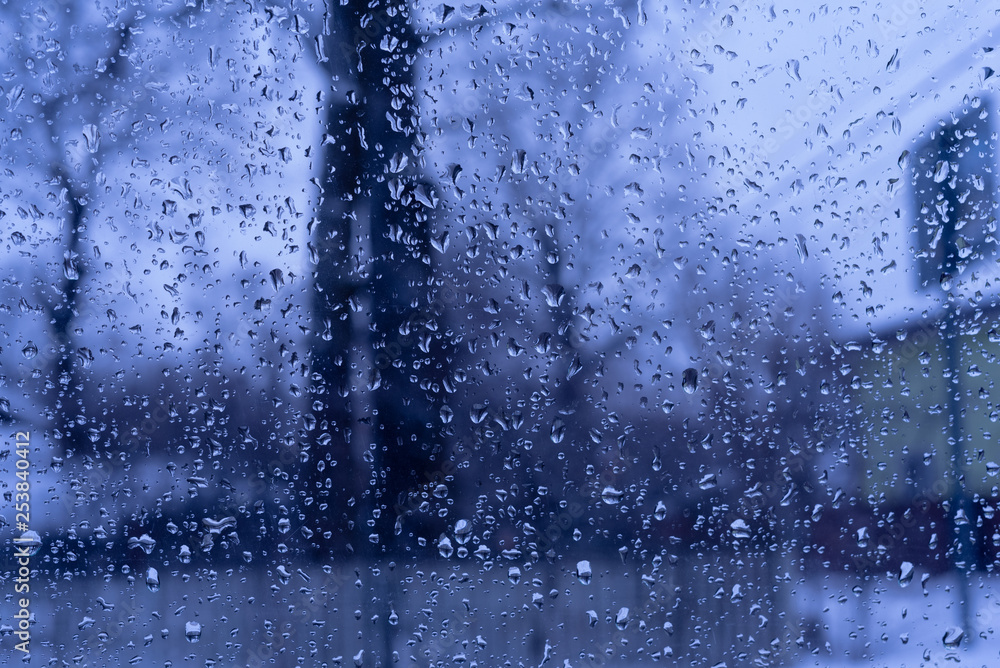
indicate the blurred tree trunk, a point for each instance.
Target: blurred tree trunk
{"x":374,"y":270}
{"x":70,"y":386}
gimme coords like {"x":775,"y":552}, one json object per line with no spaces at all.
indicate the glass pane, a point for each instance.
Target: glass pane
{"x":374,"y":332}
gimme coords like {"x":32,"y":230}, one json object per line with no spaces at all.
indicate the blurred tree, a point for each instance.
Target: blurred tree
{"x":377,"y":360}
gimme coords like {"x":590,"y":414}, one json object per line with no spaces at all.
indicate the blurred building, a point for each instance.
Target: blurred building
{"x":870,"y":147}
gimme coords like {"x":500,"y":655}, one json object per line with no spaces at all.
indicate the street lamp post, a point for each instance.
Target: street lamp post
{"x":959,"y":511}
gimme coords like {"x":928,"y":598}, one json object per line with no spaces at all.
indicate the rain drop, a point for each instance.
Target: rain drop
{"x":689,"y":381}
{"x":192,"y":631}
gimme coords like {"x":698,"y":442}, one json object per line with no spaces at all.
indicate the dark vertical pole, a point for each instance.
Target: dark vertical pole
{"x":960,"y":515}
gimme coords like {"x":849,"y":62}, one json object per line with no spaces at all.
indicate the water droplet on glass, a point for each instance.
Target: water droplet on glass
{"x":953,"y":637}
{"x":558,"y":431}
{"x":611,"y":496}
{"x":707,"y":481}
{"x":740,"y":529}
{"x":218,"y":526}
{"x":517,"y":162}
{"x":941,"y":171}
{"x":478,"y":413}
{"x":447,"y":415}
{"x":277,"y":279}
{"x":905,"y":573}
{"x":152,"y":579}
{"x":621,"y":619}
{"x":554,"y":295}
{"x":463,"y":531}
{"x":29,"y":350}
{"x":145,"y":542}
{"x":661,"y":511}
{"x":584,"y":572}
{"x":29,"y":540}
{"x":445,"y":547}
{"x":863,"y":537}
{"x":192,"y":631}
{"x":92,"y":137}
{"x":689,"y":380}
{"x":800,"y":248}
{"x":514,"y":574}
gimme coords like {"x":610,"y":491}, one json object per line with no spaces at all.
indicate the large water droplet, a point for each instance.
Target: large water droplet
{"x":584,"y":572}
{"x":29,"y":540}
{"x":478,"y":413}
{"x":445,"y":547}
{"x":905,"y":573}
{"x":463,"y":531}
{"x":611,"y":496}
{"x":558,"y":431}
{"x":447,"y":415}
{"x":953,"y":637}
{"x":689,"y":381}
{"x":941,"y":171}
{"x":800,"y":248}
{"x":145,"y":542}
{"x":192,"y":631}
{"x":92,"y":137}
{"x":152,"y":579}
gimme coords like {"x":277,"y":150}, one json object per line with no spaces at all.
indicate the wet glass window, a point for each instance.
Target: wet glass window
{"x":502,"y":333}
